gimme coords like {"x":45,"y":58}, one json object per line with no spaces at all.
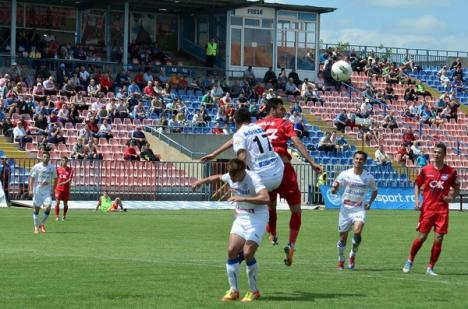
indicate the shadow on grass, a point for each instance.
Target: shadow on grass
{"x":306,"y":296}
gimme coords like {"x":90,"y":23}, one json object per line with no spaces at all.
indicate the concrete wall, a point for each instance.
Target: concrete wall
{"x":203,"y":143}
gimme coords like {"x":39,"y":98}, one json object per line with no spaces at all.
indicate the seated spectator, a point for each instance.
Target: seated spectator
{"x":340,"y":121}
{"x":311,"y":94}
{"x":147,"y":154}
{"x":225,"y":100}
{"x":55,"y":136}
{"x":291,"y":88}
{"x":174,"y":125}
{"x":457,"y":85}
{"x":38,"y":92}
{"x":326,"y":144}
{"x":105,"y":130}
{"x":208,"y":100}
{"x":78,"y":151}
{"x":410,"y":94}
{"x":270,"y":78}
{"x":49,"y":86}
{"x":293,"y":74}
{"x":365,"y":109}
{"x":454,"y":105}
{"x":106,"y":84}
{"x":250,"y":76}
{"x":381,"y":157}
{"x":63,"y":114}
{"x":90,"y":151}
{"x":21,"y":136}
{"x":216,"y":92}
{"x":282,"y":79}
{"x":296,"y":108}
{"x":300,"y":128}
{"x":198,"y":120}
{"x":139,"y":111}
{"x":134,"y":89}
{"x":138,"y":137}
{"x":402,"y":154}
{"x":415,"y":151}
{"x":149,"y":89}
{"x":422,"y":91}
{"x":390,"y":94}
{"x":408,"y":137}
{"x":455,"y":64}
{"x":458,"y":73}
{"x":217,"y":129}
{"x":390,"y":121}
{"x":93,"y":89}
{"x":130,"y":153}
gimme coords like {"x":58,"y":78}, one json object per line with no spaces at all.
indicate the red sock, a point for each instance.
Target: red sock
{"x":417,"y":244}
{"x":435,"y":252}
{"x":65,"y":209}
{"x":57,"y":210}
{"x":271,"y":227}
{"x":294,"y":227}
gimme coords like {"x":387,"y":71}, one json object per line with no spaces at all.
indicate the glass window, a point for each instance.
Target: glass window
{"x":288,"y":14}
{"x":236,"y":39}
{"x":286,"y":49}
{"x":307,"y":16}
{"x":258,"y":47}
{"x":267,"y":23}
{"x":252,"y":22}
{"x":236,"y":21}
{"x":166,"y":32}
{"x":306,"y":56}
{"x":310,"y":27}
{"x":202,"y":27}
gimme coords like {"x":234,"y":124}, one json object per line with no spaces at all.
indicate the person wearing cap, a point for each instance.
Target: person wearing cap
{"x":5,"y":174}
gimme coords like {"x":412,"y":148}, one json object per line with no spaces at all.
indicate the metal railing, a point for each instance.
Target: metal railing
{"x":158,"y":131}
{"x":151,"y":181}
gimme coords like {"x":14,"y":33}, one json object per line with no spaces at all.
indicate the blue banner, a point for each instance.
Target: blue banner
{"x":387,"y":198}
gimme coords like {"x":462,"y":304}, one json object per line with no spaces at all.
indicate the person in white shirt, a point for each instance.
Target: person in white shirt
{"x":355,"y":184}
{"x":21,"y":136}
{"x":42,"y":182}
{"x":49,"y":86}
{"x":105,"y":130}
{"x":250,"y":197}
{"x":381,"y":157}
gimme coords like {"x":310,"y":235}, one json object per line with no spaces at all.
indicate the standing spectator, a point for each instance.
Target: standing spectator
{"x":270,"y":78}
{"x":295,"y":77}
{"x":211,"y":52}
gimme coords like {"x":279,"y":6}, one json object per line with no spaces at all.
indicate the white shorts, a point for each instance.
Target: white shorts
{"x":41,"y":199}
{"x":251,"y":226}
{"x":271,"y":182}
{"x":349,"y":216}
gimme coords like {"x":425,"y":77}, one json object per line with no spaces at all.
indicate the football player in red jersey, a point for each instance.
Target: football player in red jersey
{"x":62,"y":190}
{"x":439,"y":185}
{"x":280,"y":131}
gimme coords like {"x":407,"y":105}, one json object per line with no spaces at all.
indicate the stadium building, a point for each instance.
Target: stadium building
{"x":256,"y":34}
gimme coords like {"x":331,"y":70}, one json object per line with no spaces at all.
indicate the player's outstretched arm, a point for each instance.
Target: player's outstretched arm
{"x":261,"y":198}
{"x":218,"y":151}
{"x":300,"y":146}
{"x":210,"y":179}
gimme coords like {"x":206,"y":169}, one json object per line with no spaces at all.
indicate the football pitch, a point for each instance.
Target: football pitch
{"x":176,"y":259}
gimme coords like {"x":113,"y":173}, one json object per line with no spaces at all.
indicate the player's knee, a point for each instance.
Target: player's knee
{"x":249,"y":254}
{"x":357,"y":239}
{"x":438,"y":238}
{"x":232,"y":252}
{"x":341,"y":243}
{"x":296,"y":208}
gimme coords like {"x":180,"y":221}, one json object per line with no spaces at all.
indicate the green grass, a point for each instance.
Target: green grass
{"x":175,"y":259}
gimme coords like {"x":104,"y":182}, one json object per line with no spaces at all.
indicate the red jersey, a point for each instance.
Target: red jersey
{"x":64,"y":174}
{"x":435,"y":185}
{"x":279,"y":131}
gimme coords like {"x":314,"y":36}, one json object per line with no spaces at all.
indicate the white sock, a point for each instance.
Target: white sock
{"x":252,"y":270}
{"x":36,"y":219}
{"x":341,"y":245}
{"x":233,"y":268}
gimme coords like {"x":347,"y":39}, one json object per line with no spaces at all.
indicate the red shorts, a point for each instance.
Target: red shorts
{"x":429,"y":219}
{"x":288,"y":189}
{"x":62,"y":195}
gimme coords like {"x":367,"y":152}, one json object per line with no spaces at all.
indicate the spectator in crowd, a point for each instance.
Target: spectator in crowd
{"x":217,"y":129}
{"x":21,"y":136}
{"x":130,"y":153}
{"x":91,"y":152}
{"x":78,"y":150}
{"x":55,"y":136}
{"x":455,"y":64}
{"x":208,"y":100}
{"x":340,"y":121}
{"x":381,"y":157}
{"x":295,"y":77}
{"x":250,"y":76}
{"x":422,"y":91}
{"x":326,"y":143}
{"x":291,"y":88}
{"x":139,"y":137}
{"x":282,"y":79}
{"x":105,"y":130}
{"x":415,"y":151}
{"x":408,"y":137}
{"x":390,"y":121}
{"x":402,"y":154}
{"x":366,"y":109}
{"x":49,"y":86}
{"x":270,"y":78}
{"x":147,"y":154}
{"x":198,"y":120}
{"x":390,"y":94}
{"x":410,"y":94}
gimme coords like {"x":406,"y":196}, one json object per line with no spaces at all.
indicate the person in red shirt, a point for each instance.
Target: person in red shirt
{"x":149,"y":90}
{"x":279,"y":132}
{"x":62,"y":190}
{"x":439,"y":185}
{"x":130,"y":153}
